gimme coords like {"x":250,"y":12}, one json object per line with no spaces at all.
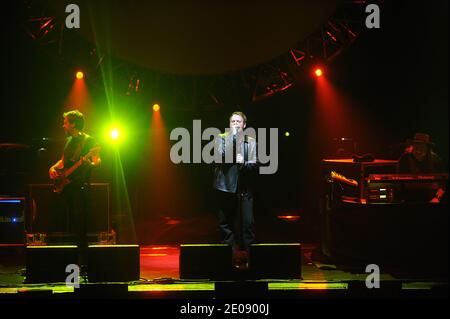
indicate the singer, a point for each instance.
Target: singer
{"x":233,"y":184}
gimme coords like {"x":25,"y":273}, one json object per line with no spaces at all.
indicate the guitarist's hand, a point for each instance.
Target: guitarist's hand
{"x":86,"y":160}
{"x":52,"y":173}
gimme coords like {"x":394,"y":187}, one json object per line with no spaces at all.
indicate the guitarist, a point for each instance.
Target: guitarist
{"x":74,"y":197}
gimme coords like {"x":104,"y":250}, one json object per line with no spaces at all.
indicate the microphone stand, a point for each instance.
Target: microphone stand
{"x":239,"y":200}
{"x":239,"y":211}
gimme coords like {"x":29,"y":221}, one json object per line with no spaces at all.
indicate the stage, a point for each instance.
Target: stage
{"x":135,"y":137}
{"x":160,"y":279}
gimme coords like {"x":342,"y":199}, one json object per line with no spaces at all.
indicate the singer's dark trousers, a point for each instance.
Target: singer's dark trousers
{"x":230,"y":225}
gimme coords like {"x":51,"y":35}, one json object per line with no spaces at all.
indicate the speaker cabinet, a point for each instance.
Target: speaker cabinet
{"x":205,"y":261}
{"x":116,"y":263}
{"x":46,"y":215}
{"x":275,"y":261}
{"x":46,"y":264}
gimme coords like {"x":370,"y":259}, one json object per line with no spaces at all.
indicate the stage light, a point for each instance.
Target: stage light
{"x":286,"y":134}
{"x":115,"y":134}
{"x":289,"y":218}
{"x":79,"y":75}
{"x":318,"y":72}
{"x":156,"y":107}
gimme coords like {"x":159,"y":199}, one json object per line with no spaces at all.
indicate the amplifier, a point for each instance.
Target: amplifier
{"x":380,"y":193}
{"x":12,"y":213}
{"x":45,"y":217}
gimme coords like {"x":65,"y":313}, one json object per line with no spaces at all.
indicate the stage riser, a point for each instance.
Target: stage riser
{"x":402,"y":236}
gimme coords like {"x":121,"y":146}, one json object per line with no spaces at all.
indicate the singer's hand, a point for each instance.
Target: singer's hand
{"x":239,"y":159}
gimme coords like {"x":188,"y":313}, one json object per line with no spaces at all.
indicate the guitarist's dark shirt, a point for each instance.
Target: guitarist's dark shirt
{"x":74,"y":148}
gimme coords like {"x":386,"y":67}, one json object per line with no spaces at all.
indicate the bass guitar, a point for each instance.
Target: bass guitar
{"x":62,"y":178}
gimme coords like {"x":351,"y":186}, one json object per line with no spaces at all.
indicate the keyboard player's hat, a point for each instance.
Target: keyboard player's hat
{"x":420,"y":138}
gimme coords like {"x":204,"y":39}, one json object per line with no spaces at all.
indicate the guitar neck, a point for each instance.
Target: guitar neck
{"x":73,"y":168}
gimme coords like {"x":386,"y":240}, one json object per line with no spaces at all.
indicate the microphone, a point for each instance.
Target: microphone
{"x":234,"y":132}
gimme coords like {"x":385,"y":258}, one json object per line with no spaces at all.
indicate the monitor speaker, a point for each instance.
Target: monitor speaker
{"x":113,"y":263}
{"x":45,"y":264}
{"x":275,"y":261}
{"x":205,"y":261}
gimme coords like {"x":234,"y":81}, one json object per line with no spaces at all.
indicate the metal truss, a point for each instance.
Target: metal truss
{"x":337,"y":34}
{"x":214,"y":91}
{"x":42,"y":26}
{"x":330,"y":40}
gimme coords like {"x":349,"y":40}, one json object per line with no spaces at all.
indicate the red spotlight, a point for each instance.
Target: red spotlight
{"x":79,"y":75}
{"x":156,"y":107}
{"x":318,"y":72}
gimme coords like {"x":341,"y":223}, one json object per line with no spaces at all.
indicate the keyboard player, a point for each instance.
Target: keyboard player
{"x":419,"y":158}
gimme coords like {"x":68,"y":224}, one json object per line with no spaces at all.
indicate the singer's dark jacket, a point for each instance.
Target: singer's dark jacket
{"x":230,"y":176}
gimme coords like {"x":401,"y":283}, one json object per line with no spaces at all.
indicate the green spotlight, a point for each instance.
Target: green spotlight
{"x":286,"y":134}
{"x":114,"y":134}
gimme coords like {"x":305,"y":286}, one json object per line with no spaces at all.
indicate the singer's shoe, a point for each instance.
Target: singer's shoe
{"x":241,"y":266}
{"x":240,"y":259}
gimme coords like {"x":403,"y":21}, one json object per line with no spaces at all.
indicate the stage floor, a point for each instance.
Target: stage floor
{"x":160,"y":279}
